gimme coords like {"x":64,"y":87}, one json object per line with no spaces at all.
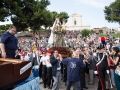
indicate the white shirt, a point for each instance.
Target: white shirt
{"x":43,"y":60}
{"x":38,"y":59}
{"x":108,"y":46}
{"x":59,"y":67}
{"x":33,"y":54}
{"x":48,"y":64}
{"x":26,"y":58}
{"x":94,"y":54}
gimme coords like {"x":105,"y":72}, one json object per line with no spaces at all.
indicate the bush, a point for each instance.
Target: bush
{"x":116,"y":35}
{"x":2,"y":31}
{"x":92,"y":32}
{"x":85,"y":32}
{"x":100,"y":31}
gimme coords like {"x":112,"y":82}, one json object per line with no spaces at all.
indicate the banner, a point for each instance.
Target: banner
{"x":25,"y":68}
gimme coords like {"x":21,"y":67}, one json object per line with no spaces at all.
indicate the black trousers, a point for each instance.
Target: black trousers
{"x":40,"y":71}
{"x":65,"y":73}
{"x":61,"y":68}
{"x":101,"y":76}
{"x":82,"y":77}
{"x":49,"y":76}
{"x":44,"y":74}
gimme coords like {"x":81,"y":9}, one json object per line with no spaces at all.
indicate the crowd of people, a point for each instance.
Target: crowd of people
{"x":89,"y":58}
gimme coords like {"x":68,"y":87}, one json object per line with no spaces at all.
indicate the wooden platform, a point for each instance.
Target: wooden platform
{"x":10,"y":72}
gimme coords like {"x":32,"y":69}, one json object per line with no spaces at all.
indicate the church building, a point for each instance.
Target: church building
{"x":75,"y":23}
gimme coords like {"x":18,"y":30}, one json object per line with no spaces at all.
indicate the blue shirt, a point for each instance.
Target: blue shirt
{"x":73,"y":68}
{"x":9,"y":41}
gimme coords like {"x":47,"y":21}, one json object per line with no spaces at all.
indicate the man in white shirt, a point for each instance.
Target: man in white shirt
{"x":43,"y":60}
{"x":107,"y":46}
{"x":49,"y":69}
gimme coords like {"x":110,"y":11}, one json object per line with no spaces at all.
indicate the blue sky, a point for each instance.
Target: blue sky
{"x":91,"y":11}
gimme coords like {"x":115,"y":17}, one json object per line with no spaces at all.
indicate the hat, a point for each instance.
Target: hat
{"x":48,"y":51}
{"x":43,"y":51}
{"x":103,"y":40}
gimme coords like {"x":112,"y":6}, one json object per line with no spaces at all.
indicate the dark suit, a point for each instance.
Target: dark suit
{"x":31,"y":56}
{"x":54,"y":62}
{"x":55,"y":73}
{"x":82,"y":73}
{"x":35,"y":62}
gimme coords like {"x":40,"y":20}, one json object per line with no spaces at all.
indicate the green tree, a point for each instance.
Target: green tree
{"x":2,"y":31}
{"x":39,"y":16}
{"x":92,"y":31}
{"x":63,"y":15}
{"x":100,"y":31}
{"x":25,"y":13}
{"x":112,"y":12}
{"x":54,"y":14}
{"x":4,"y":13}
{"x":2,"y":27}
{"x":13,"y":9}
{"x":28,"y":13}
{"x":85,"y":32}
{"x":48,"y":19}
{"x":7,"y":26}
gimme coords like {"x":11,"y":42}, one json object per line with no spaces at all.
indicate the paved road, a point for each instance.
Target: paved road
{"x":90,"y":87}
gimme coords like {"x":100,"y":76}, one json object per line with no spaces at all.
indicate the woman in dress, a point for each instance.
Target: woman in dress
{"x":116,"y":61}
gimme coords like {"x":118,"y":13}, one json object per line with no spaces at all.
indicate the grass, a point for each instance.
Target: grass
{"x":116,"y":35}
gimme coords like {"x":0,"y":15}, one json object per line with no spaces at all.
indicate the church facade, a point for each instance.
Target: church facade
{"x":75,"y":23}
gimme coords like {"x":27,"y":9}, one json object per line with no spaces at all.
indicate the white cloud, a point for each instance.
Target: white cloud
{"x":95,"y":3}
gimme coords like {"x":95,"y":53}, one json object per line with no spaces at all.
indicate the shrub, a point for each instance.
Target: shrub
{"x":85,"y":32}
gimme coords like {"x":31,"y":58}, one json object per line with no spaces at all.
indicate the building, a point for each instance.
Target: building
{"x":106,"y":30}
{"x":96,"y":30}
{"x":75,"y":23}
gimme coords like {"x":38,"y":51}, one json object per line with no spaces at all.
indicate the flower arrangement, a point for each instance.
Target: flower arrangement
{"x":62,"y":50}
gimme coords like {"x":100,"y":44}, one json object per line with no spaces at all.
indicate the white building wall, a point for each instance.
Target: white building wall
{"x":79,"y":24}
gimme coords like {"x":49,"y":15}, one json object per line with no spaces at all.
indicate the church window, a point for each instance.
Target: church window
{"x":75,"y":22}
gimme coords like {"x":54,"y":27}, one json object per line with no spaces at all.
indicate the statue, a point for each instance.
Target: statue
{"x":56,"y":40}
{"x":57,"y":34}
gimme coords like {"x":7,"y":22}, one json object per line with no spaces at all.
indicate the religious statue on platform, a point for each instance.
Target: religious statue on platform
{"x":58,"y":33}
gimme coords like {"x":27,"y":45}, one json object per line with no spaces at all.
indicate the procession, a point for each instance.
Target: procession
{"x":66,"y":58}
